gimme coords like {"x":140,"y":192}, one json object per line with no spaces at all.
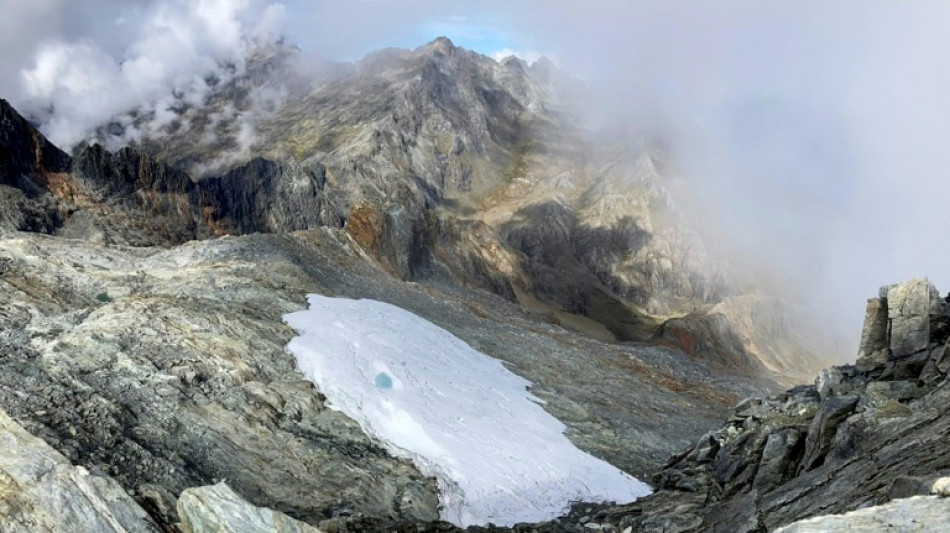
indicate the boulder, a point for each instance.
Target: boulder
{"x":217,"y":509}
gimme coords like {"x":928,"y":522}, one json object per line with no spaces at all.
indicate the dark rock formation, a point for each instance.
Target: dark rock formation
{"x":709,"y":337}
{"x":267,"y":197}
{"x":29,"y":165}
{"x":128,"y":197}
{"x":25,"y":155}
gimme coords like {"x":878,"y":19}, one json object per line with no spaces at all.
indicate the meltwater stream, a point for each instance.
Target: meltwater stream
{"x":457,"y":413}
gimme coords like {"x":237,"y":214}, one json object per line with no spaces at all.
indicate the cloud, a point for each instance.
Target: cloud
{"x":813,"y":134}
{"x":528,"y":55}
{"x":174,"y":52}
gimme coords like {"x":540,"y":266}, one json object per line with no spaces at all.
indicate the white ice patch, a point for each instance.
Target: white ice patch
{"x":457,"y":413}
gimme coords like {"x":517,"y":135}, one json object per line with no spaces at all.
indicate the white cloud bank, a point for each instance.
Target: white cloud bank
{"x":179,"y":51}
{"x":530,"y":56}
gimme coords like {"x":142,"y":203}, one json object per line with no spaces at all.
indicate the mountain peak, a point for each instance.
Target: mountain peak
{"x":442,"y":45}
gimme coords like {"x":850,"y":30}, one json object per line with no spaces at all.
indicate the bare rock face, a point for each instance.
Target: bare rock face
{"x":710,"y":337}
{"x":25,"y":155}
{"x":40,"y":491}
{"x":166,"y":369}
{"x":267,"y":197}
{"x":402,"y":149}
{"x":28,"y":163}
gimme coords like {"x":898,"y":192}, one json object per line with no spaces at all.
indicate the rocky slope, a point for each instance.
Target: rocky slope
{"x":861,"y":436}
{"x":42,"y":492}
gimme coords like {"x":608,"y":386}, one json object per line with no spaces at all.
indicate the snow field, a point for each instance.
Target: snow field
{"x":458,"y":414}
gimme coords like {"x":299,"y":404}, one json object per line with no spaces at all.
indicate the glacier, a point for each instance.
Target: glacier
{"x":457,"y":413}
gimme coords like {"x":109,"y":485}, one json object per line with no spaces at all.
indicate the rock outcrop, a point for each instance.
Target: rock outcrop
{"x":860,"y":436}
{"x":166,"y":370}
{"x":40,"y":491}
{"x":28,"y":163}
{"x":26,"y":157}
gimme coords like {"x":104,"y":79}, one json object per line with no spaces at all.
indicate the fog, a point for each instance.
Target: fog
{"x":812,"y":133}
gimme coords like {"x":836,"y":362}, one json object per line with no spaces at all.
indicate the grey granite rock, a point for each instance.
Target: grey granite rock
{"x":40,"y":491}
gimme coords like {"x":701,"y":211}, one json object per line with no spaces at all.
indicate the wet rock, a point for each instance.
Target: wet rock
{"x":910,"y":306}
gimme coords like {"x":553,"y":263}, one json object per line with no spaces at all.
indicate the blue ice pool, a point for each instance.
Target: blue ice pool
{"x":383,"y":381}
